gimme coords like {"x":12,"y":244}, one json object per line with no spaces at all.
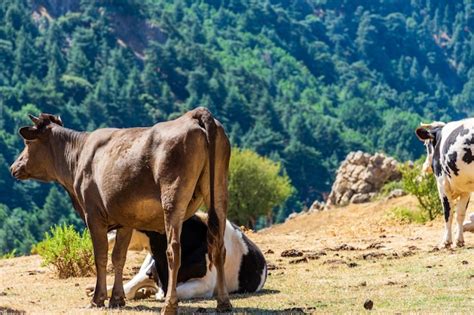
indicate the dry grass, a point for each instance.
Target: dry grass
{"x":351,"y":254}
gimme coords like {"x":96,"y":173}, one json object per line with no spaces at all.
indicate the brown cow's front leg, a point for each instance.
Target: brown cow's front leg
{"x":100,"y":244}
{"x":119,"y":255}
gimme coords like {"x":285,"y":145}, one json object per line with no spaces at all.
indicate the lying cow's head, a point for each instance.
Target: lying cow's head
{"x":430,"y":134}
{"x":36,"y":159}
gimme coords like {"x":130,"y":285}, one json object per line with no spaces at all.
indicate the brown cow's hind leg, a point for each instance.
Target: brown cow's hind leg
{"x":218,"y":259}
{"x":119,"y":255}
{"x":216,"y":229}
{"x":174,"y":206}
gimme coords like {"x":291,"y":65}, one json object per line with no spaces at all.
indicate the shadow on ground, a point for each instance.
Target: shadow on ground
{"x":186,"y":309}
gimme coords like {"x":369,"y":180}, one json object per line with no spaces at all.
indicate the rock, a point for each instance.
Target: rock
{"x":396,"y":193}
{"x":292,"y":216}
{"x":317,"y":206}
{"x":368,"y":304}
{"x":360,"y":198}
{"x":361,"y":176}
{"x":292,"y":253}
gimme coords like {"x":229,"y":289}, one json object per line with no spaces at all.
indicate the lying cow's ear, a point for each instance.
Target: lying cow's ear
{"x":29,"y":133}
{"x":423,"y":134}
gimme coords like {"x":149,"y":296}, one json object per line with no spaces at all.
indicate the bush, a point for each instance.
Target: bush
{"x":9,"y":255}
{"x":256,"y":186}
{"x":423,"y":187}
{"x":68,"y":251}
{"x":406,"y":215}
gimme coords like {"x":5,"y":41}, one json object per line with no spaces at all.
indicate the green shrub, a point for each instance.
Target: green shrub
{"x":9,"y":255}
{"x":68,"y":251}
{"x":256,"y":186}
{"x":407,"y":215}
{"x":423,"y":187}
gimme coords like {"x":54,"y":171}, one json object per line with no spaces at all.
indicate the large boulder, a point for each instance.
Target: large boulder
{"x":361,"y":176}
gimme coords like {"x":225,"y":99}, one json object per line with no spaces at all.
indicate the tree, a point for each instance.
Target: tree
{"x":256,"y":187}
{"x":58,"y":210}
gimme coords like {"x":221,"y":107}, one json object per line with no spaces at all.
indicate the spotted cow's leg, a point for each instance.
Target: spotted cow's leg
{"x":448,"y":220}
{"x":460,"y":214}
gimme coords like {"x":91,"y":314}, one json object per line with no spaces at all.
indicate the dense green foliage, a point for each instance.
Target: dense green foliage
{"x":256,"y":187}
{"x":423,"y":187}
{"x":302,"y":82}
{"x":69,"y":252}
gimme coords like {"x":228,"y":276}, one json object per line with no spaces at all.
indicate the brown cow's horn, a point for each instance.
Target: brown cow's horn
{"x":34,"y":119}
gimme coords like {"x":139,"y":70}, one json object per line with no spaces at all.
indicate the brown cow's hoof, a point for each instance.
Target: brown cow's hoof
{"x":116,"y":303}
{"x":460,"y":243}
{"x":99,"y":304}
{"x":224,"y":307}
{"x":169,"y":309}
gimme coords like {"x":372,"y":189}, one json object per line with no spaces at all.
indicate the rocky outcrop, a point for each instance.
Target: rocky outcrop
{"x":361,"y":176}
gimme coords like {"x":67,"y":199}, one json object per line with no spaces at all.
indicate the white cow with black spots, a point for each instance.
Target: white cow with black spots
{"x":450,"y":149}
{"x":245,"y":266}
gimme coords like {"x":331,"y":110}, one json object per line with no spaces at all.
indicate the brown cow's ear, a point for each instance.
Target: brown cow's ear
{"x":57,"y":120}
{"x":423,"y":134}
{"x":29,"y":133}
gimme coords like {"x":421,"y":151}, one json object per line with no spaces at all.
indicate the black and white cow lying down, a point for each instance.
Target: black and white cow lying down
{"x":450,"y":156}
{"x":245,"y":266}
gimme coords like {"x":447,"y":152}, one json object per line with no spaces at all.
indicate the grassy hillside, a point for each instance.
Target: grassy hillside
{"x":303,"y":82}
{"x":351,"y":254}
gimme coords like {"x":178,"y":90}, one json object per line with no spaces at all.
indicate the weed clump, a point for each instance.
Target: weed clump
{"x":68,"y":251}
{"x":423,"y":187}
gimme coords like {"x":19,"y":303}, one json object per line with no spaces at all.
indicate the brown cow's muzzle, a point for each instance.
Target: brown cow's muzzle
{"x":18,"y":170}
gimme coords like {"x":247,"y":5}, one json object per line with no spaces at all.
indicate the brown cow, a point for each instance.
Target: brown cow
{"x":145,"y":178}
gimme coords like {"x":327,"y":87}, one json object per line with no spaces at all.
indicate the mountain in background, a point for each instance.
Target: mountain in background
{"x":302,"y":82}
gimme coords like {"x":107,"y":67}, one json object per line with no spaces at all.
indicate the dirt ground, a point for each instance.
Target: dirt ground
{"x":332,"y":262}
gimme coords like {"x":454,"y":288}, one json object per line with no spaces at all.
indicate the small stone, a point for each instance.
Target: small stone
{"x":464,"y":262}
{"x":292,"y":253}
{"x":299,"y":260}
{"x":396,"y":193}
{"x":368,"y":304}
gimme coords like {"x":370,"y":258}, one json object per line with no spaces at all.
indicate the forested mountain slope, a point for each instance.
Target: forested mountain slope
{"x":303,"y":82}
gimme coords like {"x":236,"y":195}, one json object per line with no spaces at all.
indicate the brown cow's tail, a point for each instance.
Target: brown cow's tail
{"x":206,"y":118}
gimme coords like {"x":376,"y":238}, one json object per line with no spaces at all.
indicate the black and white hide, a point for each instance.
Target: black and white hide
{"x":449,"y":155}
{"x":245,"y":266}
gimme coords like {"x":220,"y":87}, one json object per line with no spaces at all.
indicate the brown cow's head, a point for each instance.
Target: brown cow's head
{"x":430,"y":135}
{"x":36,"y":160}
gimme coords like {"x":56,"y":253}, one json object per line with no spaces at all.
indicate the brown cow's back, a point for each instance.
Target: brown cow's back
{"x":119,"y":170}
